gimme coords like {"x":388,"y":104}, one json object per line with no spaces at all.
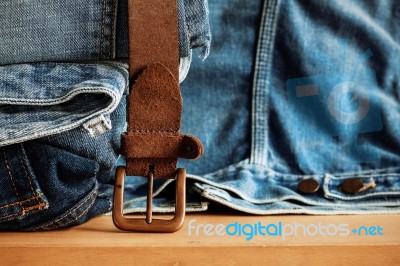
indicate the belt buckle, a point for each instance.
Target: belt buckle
{"x":149,"y":224}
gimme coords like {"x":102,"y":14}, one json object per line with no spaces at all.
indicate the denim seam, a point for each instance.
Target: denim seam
{"x":25,"y":210}
{"x":114,"y":29}
{"x":330,"y":193}
{"x":203,"y":206}
{"x":109,"y":109}
{"x":187,"y":29}
{"x":259,"y":150}
{"x":107,"y":25}
{"x":254,"y":201}
{"x":74,"y":219}
{"x":26,"y":172}
{"x":308,"y":202}
{"x":209,"y":192}
{"x":103,"y":11}
{"x":293,"y":211}
{"x":226,"y":170}
{"x":12,"y":181}
{"x":298,"y":198}
{"x":372,"y":172}
{"x":62,"y":99}
{"x":21,"y":202}
{"x":51,"y":224}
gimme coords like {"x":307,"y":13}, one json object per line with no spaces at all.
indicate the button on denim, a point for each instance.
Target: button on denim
{"x":63,"y":84}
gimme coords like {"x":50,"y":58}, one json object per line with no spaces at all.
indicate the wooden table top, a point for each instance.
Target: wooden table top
{"x":216,"y":239}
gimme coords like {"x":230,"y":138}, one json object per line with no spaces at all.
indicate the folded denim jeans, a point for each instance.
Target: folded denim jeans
{"x":63,"y":84}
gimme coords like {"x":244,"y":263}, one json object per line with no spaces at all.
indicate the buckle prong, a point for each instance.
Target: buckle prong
{"x":149,"y":224}
{"x":149,"y":208}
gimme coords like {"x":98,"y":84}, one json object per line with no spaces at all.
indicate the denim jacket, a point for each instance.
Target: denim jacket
{"x":298,"y":109}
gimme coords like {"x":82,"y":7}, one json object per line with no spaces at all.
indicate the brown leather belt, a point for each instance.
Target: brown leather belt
{"x":153,"y":143}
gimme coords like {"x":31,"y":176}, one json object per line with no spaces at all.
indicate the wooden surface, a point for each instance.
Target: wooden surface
{"x":98,"y":242}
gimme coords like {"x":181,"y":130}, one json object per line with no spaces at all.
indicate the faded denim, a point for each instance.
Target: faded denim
{"x":294,"y":90}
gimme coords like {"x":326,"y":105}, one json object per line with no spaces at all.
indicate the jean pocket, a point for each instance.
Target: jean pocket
{"x":21,"y":194}
{"x":49,"y":188}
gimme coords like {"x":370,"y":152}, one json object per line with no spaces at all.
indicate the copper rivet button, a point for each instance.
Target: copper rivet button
{"x":308,"y":186}
{"x":352,"y":185}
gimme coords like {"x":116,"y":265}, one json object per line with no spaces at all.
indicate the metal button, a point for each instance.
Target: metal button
{"x":308,"y":186}
{"x":352,"y":185}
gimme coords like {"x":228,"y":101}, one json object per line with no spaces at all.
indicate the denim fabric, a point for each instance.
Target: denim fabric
{"x":63,"y":84}
{"x":36,"y":30}
{"x":60,"y":180}
{"x":43,"y":99}
{"x":194,"y":29}
{"x":62,"y":30}
{"x":294,"y":90}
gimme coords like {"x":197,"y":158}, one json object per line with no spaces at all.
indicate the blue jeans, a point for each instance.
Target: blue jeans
{"x":294,"y":91}
{"x":63,"y":84}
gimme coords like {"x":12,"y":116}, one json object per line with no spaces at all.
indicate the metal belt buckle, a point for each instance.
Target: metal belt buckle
{"x":149,"y":224}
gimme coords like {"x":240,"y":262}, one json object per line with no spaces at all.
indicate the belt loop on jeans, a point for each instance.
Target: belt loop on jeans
{"x":152,"y":143}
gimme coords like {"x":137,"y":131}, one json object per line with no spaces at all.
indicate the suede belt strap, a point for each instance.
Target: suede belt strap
{"x":155,"y":102}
